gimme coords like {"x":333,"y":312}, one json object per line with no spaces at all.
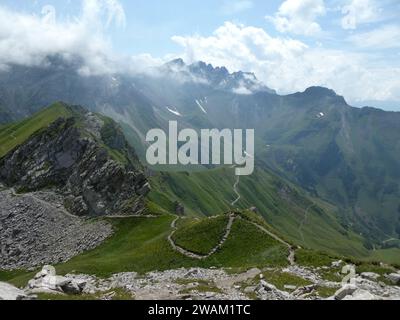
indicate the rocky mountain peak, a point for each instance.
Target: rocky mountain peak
{"x":320,"y":91}
{"x":86,"y":158}
{"x":218,"y":77}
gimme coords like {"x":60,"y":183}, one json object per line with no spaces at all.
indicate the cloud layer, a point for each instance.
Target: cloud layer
{"x":290,"y":65}
{"x":358,"y":12}
{"x":359,"y":69}
{"x":28,"y":39}
{"x":299,"y":16}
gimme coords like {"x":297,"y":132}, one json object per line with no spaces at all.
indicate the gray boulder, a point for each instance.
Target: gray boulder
{"x":370,"y":276}
{"x":48,"y":282}
{"x":9,"y":292}
{"x":394,"y":278}
{"x":346,"y":290}
{"x":361,"y":295}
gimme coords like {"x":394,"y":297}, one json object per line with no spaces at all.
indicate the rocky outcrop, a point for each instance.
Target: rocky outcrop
{"x":47,"y":281}
{"x":9,"y":292}
{"x":87,"y":159}
{"x":35,"y":229}
{"x":344,"y":291}
{"x":210,"y":284}
{"x":394,"y":278}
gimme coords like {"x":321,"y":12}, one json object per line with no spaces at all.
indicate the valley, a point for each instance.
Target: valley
{"x":313,"y":199}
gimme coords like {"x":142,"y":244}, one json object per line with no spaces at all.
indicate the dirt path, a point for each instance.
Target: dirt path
{"x":292,"y":253}
{"x":236,"y":191}
{"x":192,"y":255}
{"x":304,"y":221}
{"x":232,"y":217}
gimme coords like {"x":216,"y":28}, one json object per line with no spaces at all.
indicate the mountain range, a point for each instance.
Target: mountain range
{"x":327,"y":174}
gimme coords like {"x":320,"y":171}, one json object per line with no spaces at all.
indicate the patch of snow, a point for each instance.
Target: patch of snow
{"x":200,"y":106}
{"x":175,"y":112}
{"x":320,"y":115}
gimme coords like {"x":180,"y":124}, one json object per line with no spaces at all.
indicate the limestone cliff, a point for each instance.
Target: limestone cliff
{"x":86,"y":158}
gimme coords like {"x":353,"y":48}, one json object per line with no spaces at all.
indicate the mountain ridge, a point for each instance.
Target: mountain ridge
{"x":344,"y":155}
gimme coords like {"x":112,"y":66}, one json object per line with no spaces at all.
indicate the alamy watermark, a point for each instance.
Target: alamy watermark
{"x":213,"y":146}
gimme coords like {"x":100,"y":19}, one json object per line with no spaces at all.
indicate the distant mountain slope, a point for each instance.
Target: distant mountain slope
{"x":344,"y":155}
{"x":304,"y":220}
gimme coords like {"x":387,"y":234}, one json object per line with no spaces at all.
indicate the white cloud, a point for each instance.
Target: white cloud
{"x":299,"y":17}
{"x":29,"y":39}
{"x":236,"y":6}
{"x":289,"y":65}
{"x":385,"y":37}
{"x":95,"y":12}
{"x":284,"y":64}
{"x":358,"y":12}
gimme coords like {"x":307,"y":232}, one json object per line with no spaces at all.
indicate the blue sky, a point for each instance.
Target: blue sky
{"x":351,"y":46}
{"x":151,"y":24}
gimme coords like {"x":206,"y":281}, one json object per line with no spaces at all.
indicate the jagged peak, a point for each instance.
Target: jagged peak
{"x":318,"y":90}
{"x":176,"y":62}
{"x":219,"y":76}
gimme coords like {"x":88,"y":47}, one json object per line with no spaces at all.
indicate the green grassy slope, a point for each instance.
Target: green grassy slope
{"x":201,"y":236}
{"x":112,"y":138}
{"x":141,"y":245}
{"x":303,"y":220}
{"x":202,"y":193}
{"x":15,"y":134}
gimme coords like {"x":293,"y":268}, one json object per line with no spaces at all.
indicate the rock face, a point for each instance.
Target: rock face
{"x":394,"y":278}
{"x":47,"y":281}
{"x":346,"y":290}
{"x":9,"y":292}
{"x":75,"y":156}
{"x":35,"y":229}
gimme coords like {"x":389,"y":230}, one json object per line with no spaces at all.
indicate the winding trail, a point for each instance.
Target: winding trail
{"x":292,"y":253}
{"x":192,"y":255}
{"x":236,"y":191}
{"x":304,"y":221}
{"x":232,"y":217}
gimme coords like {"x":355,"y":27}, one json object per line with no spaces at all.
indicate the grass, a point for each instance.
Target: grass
{"x":18,"y":278}
{"x":201,"y":288}
{"x":376,"y":268}
{"x":199,"y":285}
{"x":278,"y":202}
{"x":141,"y":245}
{"x":115,"y":294}
{"x":391,"y":256}
{"x":249,"y":247}
{"x":326,"y":292}
{"x":311,"y":258}
{"x":15,"y":134}
{"x":203,"y":193}
{"x":280,"y":279}
{"x":201,"y":236}
{"x":333,"y":275}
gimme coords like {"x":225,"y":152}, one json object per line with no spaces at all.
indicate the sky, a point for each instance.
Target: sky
{"x":351,"y":46}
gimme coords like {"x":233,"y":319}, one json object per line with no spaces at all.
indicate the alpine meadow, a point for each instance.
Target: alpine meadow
{"x":215,"y":150}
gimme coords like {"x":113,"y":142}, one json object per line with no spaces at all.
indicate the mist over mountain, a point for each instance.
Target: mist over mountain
{"x":345,"y":155}
{"x":213,"y":150}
